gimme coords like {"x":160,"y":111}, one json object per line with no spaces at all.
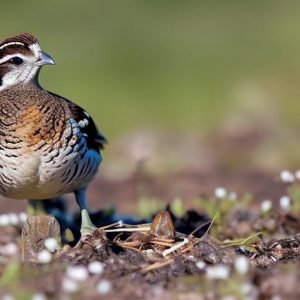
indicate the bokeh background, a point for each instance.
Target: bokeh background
{"x":201,"y":84}
{"x":175,"y":65}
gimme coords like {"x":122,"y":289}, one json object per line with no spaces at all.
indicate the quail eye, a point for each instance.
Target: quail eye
{"x":16,"y":60}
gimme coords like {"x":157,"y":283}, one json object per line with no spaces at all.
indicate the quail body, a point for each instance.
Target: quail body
{"x":49,"y":146}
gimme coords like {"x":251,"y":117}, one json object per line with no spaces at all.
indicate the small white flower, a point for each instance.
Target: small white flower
{"x":51,"y":244}
{"x":241,"y":265}
{"x":104,"y":287}
{"x":4,"y":220}
{"x":44,"y":256}
{"x":228,"y":298}
{"x":286,"y":176}
{"x":266,"y":205}
{"x":285,"y":202}
{"x":220,"y":192}
{"x":69,"y":285}
{"x":23,"y":217}
{"x":78,"y":273}
{"x":232,"y":196}
{"x":200,"y":264}
{"x":95,"y":267}
{"x":247,"y":288}
{"x":217,"y":272}
{"x":38,"y":296}
{"x":13,"y":219}
{"x":9,"y":249}
{"x":297,"y":174}
{"x":7,"y":297}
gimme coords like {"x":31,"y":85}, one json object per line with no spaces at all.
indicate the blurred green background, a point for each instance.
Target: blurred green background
{"x":183,"y":66}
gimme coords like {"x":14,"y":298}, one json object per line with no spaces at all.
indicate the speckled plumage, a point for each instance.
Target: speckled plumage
{"x":49,"y":146}
{"x":43,"y":152}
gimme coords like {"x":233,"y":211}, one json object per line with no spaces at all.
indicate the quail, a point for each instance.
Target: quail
{"x":49,"y":146}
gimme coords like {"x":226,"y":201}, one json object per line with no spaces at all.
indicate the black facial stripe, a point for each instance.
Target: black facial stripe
{"x":16,"y":60}
{"x":9,"y":60}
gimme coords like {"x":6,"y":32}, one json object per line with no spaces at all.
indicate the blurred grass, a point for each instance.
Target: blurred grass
{"x":168,"y":65}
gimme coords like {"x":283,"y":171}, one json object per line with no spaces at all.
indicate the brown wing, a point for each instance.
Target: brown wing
{"x":95,"y":139}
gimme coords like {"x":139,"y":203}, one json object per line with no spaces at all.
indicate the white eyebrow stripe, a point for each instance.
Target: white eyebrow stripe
{"x":11,"y":43}
{"x":8,"y":57}
{"x":35,"y":48}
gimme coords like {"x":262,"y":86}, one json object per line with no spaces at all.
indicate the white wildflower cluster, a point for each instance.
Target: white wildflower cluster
{"x":217,"y":272}
{"x":297,"y":174}
{"x":9,"y":249}
{"x":232,"y":196}
{"x":266,"y":206}
{"x":51,"y":244}
{"x":221,"y":193}
{"x":44,"y":256}
{"x":104,"y":287}
{"x":77,"y":273}
{"x":96,"y":267}
{"x":74,"y":275}
{"x":38,"y":296}
{"x":276,"y":297}
{"x":200,"y":264}
{"x":228,"y":297}
{"x":241,"y":265}
{"x":13,"y":219}
{"x":70,"y":285}
{"x":285,"y":202}
{"x":286,"y":176}
{"x":249,"y":291}
{"x":7,"y":297}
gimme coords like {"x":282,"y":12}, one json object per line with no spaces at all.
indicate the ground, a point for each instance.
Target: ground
{"x":235,"y":237}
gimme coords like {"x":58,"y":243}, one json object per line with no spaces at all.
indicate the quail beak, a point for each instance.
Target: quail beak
{"x":45,"y":59}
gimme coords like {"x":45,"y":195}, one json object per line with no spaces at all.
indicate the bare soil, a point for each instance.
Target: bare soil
{"x":189,"y":256}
